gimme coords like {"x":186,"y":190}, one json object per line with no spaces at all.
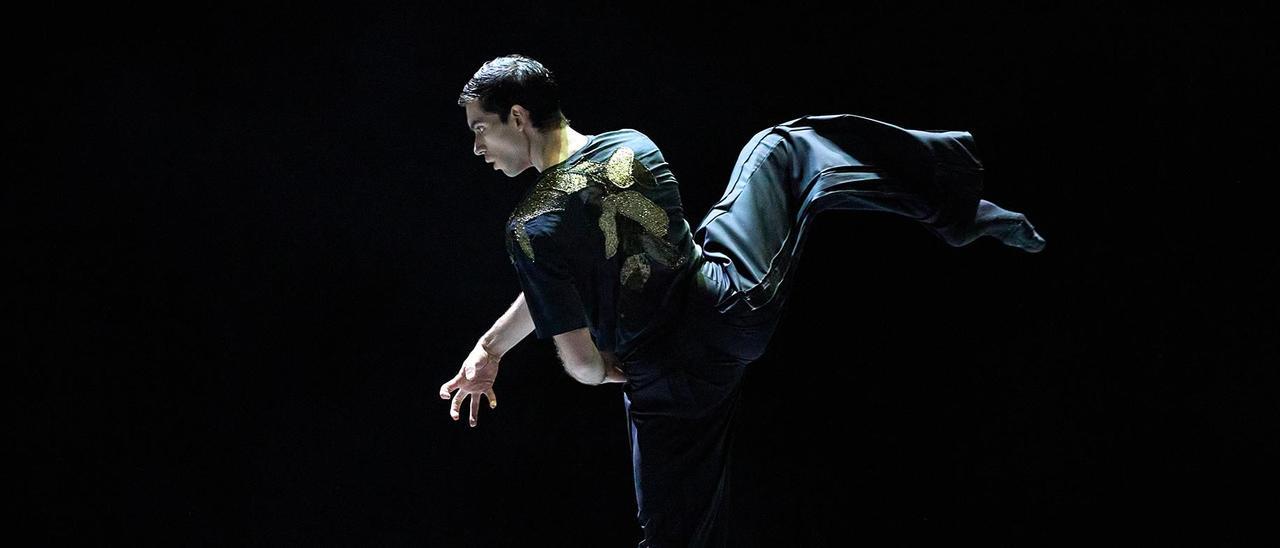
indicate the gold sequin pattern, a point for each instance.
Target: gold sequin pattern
{"x":661,"y":251}
{"x":617,"y":176}
{"x":635,"y":272}
{"x":548,"y":195}
{"x":632,"y":205}
{"x":618,"y":169}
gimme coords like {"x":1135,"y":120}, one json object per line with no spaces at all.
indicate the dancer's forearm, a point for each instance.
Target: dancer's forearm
{"x":604,"y":367}
{"x":511,"y":328}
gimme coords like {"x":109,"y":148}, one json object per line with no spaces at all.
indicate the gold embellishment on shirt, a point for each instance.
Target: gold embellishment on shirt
{"x":617,"y":177}
{"x":661,"y":251}
{"x":635,"y":272}
{"x":632,"y":205}
{"x":619,"y":168}
{"x":548,"y":195}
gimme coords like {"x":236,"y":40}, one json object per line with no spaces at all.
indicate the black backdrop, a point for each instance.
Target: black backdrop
{"x":252,"y":243}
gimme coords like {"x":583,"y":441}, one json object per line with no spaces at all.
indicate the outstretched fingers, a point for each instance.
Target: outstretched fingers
{"x":475,"y":408}
{"x":459,"y":394}
{"x":455,"y":409}
{"x":449,"y":387}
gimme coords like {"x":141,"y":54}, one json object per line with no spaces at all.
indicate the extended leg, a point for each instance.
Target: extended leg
{"x":1009,"y":227}
{"x":784,"y":177}
{"x":789,"y":173}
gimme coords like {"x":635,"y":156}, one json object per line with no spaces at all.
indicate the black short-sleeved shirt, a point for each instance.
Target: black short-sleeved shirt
{"x":601,"y":241}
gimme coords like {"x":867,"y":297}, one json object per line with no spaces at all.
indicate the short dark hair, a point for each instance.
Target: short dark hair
{"x":516,"y":79}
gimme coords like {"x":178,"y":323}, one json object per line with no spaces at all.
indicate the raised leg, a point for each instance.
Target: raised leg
{"x":787,"y":174}
{"x":1009,"y":227}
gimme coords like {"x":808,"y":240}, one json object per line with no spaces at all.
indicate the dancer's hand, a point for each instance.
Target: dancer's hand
{"x":474,"y":378}
{"x":613,"y":368}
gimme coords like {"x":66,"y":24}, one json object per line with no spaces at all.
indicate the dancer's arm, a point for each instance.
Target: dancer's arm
{"x":584,"y":362}
{"x":480,"y":369}
{"x":511,"y":328}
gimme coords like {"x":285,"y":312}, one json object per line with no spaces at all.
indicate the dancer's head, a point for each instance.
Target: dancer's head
{"x":506,"y":101}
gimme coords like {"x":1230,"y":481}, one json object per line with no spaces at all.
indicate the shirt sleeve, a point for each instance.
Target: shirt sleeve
{"x":547,"y":277}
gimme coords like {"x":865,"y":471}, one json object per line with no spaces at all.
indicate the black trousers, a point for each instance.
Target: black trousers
{"x":683,"y":389}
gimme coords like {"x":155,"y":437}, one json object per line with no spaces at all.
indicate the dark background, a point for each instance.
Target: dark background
{"x":252,"y":243}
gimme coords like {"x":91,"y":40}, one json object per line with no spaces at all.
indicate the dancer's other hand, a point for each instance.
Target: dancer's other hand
{"x":613,"y":368}
{"x":474,"y":378}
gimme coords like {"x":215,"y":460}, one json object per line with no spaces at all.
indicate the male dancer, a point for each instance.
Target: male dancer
{"x":611,"y":271}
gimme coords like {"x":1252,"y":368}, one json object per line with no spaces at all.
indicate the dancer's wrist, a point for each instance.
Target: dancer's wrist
{"x":489,"y":348}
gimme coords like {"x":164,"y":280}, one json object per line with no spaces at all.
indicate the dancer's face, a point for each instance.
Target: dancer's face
{"x":506,"y":146}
